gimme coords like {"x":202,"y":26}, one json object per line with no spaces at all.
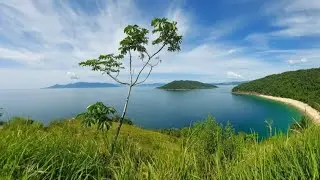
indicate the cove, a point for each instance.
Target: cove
{"x":155,"y":108}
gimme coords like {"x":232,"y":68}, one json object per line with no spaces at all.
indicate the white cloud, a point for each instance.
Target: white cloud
{"x":50,"y":38}
{"x":72,"y":75}
{"x":178,"y":15}
{"x":260,"y":41}
{"x":20,"y":55}
{"x":295,"y":18}
{"x":226,"y":27}
{"x":292,"y":61}
{"x":233,"y":75}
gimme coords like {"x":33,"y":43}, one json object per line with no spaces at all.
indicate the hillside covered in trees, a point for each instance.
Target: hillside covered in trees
{"x":302,"y":85}
{"x":186,"y":84}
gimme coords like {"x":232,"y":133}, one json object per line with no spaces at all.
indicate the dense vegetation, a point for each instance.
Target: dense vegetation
{"x":302,"y":85}
{"x":207,"y":150}
{"x":182,"y":85}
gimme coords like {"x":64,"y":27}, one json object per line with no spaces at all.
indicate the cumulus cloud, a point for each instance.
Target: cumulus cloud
{"x":233,"y":75}
{"x":297,"y":61}
{"x":72,"y":75}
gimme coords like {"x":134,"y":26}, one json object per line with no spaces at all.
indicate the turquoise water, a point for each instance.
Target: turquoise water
{"x":154,"y":108}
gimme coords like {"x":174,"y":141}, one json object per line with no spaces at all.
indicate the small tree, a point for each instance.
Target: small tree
{"x":98,"y":114}
{"x":136,"y":41}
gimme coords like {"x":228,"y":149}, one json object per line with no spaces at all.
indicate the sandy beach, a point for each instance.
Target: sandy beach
{"x":305,"y":108}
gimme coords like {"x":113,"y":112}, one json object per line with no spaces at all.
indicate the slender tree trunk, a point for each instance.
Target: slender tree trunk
{"x":124,"y":111}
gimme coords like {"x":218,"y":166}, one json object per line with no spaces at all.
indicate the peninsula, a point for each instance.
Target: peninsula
{"x":300,"y":89}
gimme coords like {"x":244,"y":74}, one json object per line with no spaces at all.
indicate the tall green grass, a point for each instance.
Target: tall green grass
{"x":207,"y":150}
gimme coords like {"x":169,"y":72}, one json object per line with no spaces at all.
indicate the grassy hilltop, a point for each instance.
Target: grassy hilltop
{"x":207,"y":150}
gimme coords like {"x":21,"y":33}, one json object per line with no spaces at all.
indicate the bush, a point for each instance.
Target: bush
{"x":20,"y":121}
{"x":2,"y":123}
{"x":171,"y":132}
{"x":125,"y":120}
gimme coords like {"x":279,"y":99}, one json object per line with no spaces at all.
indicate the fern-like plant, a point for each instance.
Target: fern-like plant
{"x":98,"y":114}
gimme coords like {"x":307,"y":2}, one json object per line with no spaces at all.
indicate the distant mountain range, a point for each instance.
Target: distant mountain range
{"x":105,"y":85}
{"x":83,"y":85}
{"x":96,"y":85}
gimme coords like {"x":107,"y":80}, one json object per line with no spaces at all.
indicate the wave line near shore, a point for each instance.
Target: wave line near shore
{"x":303,"y":107}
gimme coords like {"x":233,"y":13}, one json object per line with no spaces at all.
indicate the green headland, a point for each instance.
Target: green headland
{"x":301,"y":85}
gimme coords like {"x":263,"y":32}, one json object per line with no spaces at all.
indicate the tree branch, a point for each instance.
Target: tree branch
{"x":117,"y":80}
{"x":118,"y":72}
{"x":151,"y":67}
{"x":147,"y":63}
{"x":150,"y":57}
{"x":147,"y":54}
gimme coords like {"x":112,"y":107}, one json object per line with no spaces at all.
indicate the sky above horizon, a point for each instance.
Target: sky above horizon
{"x":42,"y":41}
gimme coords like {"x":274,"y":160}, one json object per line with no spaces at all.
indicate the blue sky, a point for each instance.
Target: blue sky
{"x":42,"y":41}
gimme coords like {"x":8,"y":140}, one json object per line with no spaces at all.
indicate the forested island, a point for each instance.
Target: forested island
{"x":186,"y":85}
{"x":301,"y":85}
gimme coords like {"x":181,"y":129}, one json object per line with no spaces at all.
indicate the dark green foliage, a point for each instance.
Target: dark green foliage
{"x":136,"y":39}
{"x":105,"y":63}
{"x":125,"y":120}
{"x":1,"y":112}
{"x":176,"y":132}
{"x":16,"y":122}
{"x":168,"y":33}
{"x":185,"y":84}
{"x":171,"y":132}
{"x":21,"y":121}
{"x":98,"y":114}
{"x":302,"y":85}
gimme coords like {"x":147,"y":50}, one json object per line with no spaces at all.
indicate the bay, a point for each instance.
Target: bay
{"x":154,"y":108}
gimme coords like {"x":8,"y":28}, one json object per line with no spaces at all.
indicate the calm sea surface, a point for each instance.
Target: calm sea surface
{"x":154,"y":108}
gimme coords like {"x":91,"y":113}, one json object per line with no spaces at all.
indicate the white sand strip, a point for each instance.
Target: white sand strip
{"x":303,"y":107}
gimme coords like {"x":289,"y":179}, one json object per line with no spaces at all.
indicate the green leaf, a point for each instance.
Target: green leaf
{"x":135,"y":40}
{"x":168,"y":34}
{"x":98,"y":114}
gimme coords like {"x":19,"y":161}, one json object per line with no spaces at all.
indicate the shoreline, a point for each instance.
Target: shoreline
{"x":312,"y":113}
{"x":184,"y":89}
